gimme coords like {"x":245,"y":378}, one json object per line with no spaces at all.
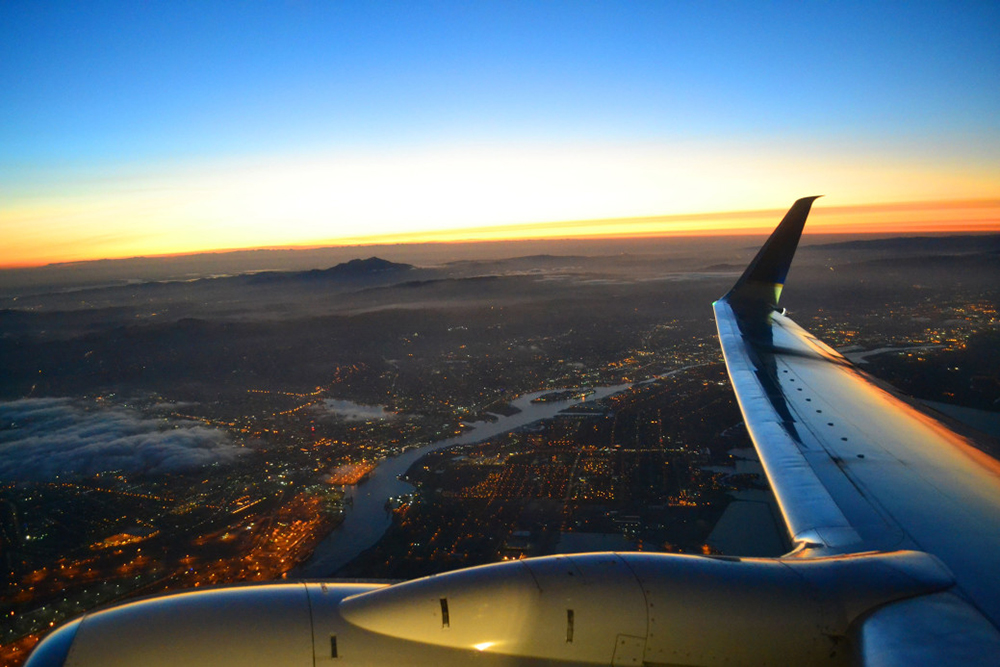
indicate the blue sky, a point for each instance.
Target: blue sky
{"x":106,"y":99}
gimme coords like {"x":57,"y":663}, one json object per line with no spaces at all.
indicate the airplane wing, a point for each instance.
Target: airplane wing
{"x":895,"y":519}
{"x":856,"y":467}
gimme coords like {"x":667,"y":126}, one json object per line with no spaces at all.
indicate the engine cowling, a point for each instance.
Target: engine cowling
{"x":600,"y":609}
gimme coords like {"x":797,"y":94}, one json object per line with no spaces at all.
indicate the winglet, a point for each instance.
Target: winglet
{"x":761,"y":283}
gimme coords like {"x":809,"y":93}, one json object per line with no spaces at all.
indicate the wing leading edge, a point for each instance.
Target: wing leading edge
{"x":855,"y":466}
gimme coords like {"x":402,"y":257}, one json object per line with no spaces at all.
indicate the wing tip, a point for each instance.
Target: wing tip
{"x":764,"y":277}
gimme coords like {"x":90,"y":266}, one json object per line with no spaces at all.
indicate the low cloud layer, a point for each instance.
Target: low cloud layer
{"x":352,"y":412}
{"x":44,"y":437}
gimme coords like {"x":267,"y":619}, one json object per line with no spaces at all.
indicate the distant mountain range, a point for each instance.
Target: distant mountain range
{"x":978,"y":243}
{"x":355,"y":270}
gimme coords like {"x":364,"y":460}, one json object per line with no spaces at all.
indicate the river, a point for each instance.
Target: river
{"x":366,"y":522}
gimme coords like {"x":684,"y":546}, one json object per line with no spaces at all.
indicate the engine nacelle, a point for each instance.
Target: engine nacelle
{"x":600,"y":609}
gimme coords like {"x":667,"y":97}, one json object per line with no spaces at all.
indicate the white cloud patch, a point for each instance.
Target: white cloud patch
{"x":44,"y":437}
{"x":352,"y":412}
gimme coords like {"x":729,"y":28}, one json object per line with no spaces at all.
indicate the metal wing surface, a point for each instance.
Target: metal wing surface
{"x":855,"y":466}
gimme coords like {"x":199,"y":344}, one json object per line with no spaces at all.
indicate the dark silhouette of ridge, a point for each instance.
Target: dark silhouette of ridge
{"x":952,"y":243}
{"x":354,"y":270}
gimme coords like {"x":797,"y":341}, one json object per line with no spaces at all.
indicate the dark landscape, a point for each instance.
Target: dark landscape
{"x":167,"y":426}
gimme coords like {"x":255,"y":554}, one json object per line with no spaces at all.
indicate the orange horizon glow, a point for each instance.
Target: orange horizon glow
{"x":904,"y":218}
{"x":956,"y":216}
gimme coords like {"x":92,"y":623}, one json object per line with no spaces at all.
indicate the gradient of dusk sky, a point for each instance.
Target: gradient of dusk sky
{"x":131,"y":128}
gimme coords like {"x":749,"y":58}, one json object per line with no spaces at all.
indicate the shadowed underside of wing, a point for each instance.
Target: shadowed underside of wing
{"x":854,"y":466}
